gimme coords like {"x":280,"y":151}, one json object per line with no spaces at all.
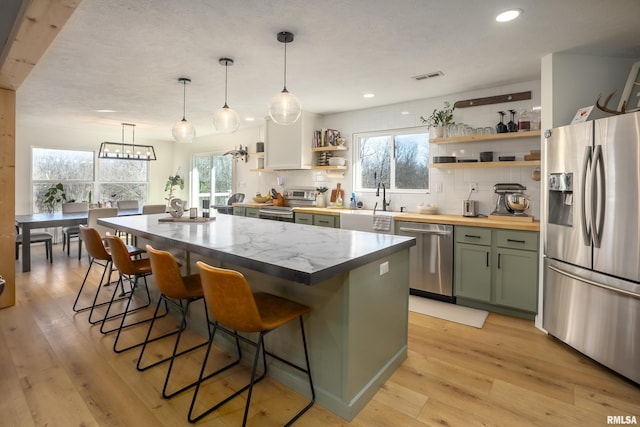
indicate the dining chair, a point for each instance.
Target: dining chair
{"x":128,"y":204}
{"x":94,"y":214}
{"x":153,"y":209}
{"x":37,"y":237}
{"x":180,"y":292}
{"x":235,"y":307}
{"x":98,"y":255}
{"x":71,"y":231}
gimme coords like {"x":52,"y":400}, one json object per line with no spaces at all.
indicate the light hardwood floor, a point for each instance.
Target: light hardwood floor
{"x":57,"y":370}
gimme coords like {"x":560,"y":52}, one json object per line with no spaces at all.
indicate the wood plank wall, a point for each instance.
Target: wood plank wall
{"x":7,"y":194}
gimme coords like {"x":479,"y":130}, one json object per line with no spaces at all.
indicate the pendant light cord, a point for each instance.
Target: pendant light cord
{"x":226,"y":70}
{"x":285,"y":68}
{"x":184,"y":100}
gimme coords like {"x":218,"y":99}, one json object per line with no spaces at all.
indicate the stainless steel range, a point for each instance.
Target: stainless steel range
{"x":294,"y":197}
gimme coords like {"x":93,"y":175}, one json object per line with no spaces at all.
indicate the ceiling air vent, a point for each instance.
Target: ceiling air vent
{"x":429,"y":75}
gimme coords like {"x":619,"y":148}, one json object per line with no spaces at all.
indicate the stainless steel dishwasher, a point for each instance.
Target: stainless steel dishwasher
{"x":431,"y":265}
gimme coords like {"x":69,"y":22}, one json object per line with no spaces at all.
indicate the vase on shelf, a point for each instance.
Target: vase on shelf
{"x":438,"y":131}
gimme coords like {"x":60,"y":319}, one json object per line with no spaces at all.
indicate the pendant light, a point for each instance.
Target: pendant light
{"x":284,"y":108}
{"x":126,"y":151}
{"x":183,"y":131}
{"x":225,"y":119}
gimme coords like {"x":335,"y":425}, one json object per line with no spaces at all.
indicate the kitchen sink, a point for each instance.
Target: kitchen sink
{"x":363,"y":220}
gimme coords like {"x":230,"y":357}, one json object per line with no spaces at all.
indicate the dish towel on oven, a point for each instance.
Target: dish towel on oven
{"x":382,"y":222}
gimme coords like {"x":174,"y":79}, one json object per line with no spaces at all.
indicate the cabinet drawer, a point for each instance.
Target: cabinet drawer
{"x":303,"y":218}
{"x":473,"y":235}
{"x":526,"y":240}
{"x":253,"y":212}
{"x":324,"y":220}
{"x":239,"y":210}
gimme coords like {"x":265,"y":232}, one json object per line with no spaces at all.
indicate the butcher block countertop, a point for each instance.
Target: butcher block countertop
{"x":507,"y":223}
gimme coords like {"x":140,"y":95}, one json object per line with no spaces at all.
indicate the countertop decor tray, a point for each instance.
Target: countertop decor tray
{"x":186,"y":219}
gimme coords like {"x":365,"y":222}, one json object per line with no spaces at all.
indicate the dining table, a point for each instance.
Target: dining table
{"x":56,"y":219}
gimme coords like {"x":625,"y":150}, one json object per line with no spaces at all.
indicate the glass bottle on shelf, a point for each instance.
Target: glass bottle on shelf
{"x":512,"y":126}
{"x":501,"y":127}
{"x":524,"y":122}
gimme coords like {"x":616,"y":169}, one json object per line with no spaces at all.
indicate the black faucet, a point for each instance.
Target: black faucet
{"x":384,"y":195}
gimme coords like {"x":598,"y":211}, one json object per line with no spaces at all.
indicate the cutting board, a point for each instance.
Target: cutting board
{"x":335,"y":192}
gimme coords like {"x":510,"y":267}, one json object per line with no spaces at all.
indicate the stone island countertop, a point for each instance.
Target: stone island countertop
{"x":296,"y":252}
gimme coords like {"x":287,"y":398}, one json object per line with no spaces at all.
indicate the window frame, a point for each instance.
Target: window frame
{"x":392,"y":133}
{"x":195,"y":193}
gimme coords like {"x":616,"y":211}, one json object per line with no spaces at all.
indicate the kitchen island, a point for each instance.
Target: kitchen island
{"x":356,"y":283}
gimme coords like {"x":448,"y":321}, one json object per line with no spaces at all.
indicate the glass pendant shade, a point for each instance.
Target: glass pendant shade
{"x":183,"y":132}
{"x":284,"y":108}
{"x":226,"y":120}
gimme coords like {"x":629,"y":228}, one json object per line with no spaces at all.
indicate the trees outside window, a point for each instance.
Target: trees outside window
{"x":398,"y":159}
{"x":212,"y":178}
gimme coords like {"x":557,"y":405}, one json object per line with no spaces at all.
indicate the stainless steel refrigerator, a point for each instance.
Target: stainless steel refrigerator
{"x":592,"y":240}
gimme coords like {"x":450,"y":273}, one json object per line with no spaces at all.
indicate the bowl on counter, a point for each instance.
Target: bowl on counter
{"x":427,"y":210}
{"x":337,"y":161}
{"x":261,"y":199}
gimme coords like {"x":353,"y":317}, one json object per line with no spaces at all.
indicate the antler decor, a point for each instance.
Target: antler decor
{"x":608,"y":110}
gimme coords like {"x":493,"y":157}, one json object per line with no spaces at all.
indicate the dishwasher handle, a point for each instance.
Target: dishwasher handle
{"x":423,"y":231}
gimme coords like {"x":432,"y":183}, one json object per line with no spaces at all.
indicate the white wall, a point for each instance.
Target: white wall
{"x":452,"y":183}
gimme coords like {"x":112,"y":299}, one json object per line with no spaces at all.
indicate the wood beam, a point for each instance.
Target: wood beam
{"x":8,"y":193}
{"x":37,"y":25}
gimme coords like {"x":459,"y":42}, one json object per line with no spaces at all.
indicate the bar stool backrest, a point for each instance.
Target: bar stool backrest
{"x":75,"y":207}
{"x":229,"y":298}
{"x":153,"y":209}
{"x":166,"y":273}
{"x":128,"y":204}
{"x":94,"y":214}
{"x":120,"y":256}
{"x":93,"y":243}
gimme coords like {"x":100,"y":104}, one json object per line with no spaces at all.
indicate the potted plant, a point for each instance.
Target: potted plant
{"x":54,"y":195}
{"x":172,"y":182}
{"x":439,"y":118}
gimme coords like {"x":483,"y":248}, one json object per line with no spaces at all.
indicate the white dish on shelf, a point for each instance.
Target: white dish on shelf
{"x":337,"y":161}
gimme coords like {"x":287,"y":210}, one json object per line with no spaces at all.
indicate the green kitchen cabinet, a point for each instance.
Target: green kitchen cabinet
{"x":252,"y":212}
{"x":303,"y":218}
{"x":497,"y":270}
{"x":324,"y":220}
{"x":321,"y":220}
{"x":473,"y":271}
{"x":239,"y":210}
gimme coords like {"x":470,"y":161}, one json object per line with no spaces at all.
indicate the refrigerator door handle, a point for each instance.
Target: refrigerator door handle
{"x":585,"y":225}
{"x":591,"y":282}
{"x":597,"y":177}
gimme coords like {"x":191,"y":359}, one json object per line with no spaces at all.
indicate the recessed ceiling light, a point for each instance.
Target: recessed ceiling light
{"x":368,"y":95}
{"x":105,"y":111}
{"x":249,"y":119}
{"x":508,"y":15}
{"x":404,"y":113}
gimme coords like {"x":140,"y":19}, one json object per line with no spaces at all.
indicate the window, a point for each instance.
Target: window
{"x":122,"y":180}
{"x":73,"y":169}
{"x":212,"y":178}
{"x":397,"y":159}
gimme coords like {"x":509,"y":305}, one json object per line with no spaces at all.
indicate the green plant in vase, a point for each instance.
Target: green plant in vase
{"x":172,"y":182}
{"x":439,"y":118}
{"x":54,"y":195}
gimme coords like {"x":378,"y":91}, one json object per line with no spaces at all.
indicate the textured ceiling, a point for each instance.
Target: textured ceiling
{"x":127,"y":55}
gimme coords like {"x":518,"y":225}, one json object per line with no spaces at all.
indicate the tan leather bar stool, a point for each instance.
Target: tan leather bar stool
{"x":179,"y":291}
{"x":99,"y":255}
{"x":136,"y":268}
{"x":234,"y":306}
